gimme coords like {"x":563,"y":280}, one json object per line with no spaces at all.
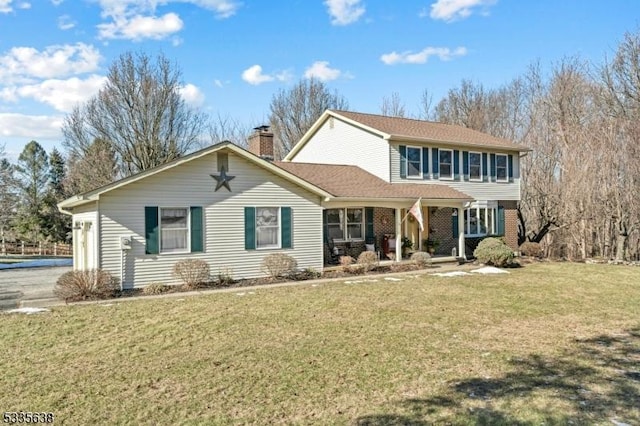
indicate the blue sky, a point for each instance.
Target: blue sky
{"x":235,"y":55}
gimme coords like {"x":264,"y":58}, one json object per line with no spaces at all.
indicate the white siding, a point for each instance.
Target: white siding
{"x":87,"y":212}
{"x":477,"y":190}
{"x":338,"y":142}
{"x":122,"y":213}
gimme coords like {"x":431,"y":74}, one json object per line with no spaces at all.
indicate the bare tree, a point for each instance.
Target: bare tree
{"x":95,"y":168}
{"x":393,"y":106}
{"x":140,"y":112}
{"x":426,"y":106}
{"x":225,"y":128}
{"x":293,"y":111}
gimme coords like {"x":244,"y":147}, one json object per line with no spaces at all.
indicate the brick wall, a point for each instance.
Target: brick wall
{"x":510,"y":223}
{"x":440,"y":228}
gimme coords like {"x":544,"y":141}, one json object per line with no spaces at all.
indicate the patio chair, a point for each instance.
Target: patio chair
{"x":335,"y":252}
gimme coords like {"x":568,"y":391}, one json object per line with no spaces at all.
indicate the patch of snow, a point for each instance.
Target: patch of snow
{"x":106,"y":304}
{"x":393,"y":279}
{"x":618,"y":423}
{"x":27,"y":310}
{"x":314,"y":285}
{"x":240,"y":294}
{"x":490,"y":270}
{"x":451,"y":274}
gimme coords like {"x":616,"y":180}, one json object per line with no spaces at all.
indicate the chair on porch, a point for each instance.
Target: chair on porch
{"x":335,"y":252}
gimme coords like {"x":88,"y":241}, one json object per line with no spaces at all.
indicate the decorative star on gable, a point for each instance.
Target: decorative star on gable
{"x":222,"y":179}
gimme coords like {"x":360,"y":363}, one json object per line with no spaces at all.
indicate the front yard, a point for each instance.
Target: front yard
{"x":548,"y":343}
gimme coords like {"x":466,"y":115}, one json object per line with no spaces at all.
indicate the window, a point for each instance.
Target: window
{"x":414,"y":162}
{"x":475,"y":166}
{"x":345,"y":224}
{"x":267,"y":227}
{"x":501,"y":168}
{"x":174,"y":229}
{"x":480,"y":219}
{"x":446,"y":163}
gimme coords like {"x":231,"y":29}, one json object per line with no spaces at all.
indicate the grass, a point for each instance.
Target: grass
{"x":548,"y":343}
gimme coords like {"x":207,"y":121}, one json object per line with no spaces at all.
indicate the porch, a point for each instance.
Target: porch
{"x":349,"y":230}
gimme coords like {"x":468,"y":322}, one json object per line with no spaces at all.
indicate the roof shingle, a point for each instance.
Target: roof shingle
{"x":406,"y":128}
{"x":354,"y":182}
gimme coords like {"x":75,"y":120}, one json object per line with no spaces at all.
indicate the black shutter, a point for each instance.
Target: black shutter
{"x":456,"y":164}
{"x":485,"y":171}
{"x":510,"y":166}
{"x":285,"y":227}
{"x":465,"y":165}
{"x":151,"y":230}
{"x":197,"y":234}
{"x":425,"y":163}
{"x":249,"y":228}
{"x":454,"y":226}
{"x":500,"y":221}
{"x":493,"y":168}
{"x":368,"y":230}
{"x":403,"y":161}
{"x":435,"y":162}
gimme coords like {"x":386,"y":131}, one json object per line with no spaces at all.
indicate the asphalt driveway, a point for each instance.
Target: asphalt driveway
{"x":29,"y":283}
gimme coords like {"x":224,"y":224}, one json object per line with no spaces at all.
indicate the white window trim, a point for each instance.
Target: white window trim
{"x":345,"y":224}
{"x":440,"y":151}
{"x":188,"y":248}
{"x":478,"y":179}
{"x":482,"y":207}
{"x":506,"y":168}
{"x":421,"y":171}
{"x":255,"y":225}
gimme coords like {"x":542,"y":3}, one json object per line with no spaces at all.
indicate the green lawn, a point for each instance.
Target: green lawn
{"x":548,"y":343}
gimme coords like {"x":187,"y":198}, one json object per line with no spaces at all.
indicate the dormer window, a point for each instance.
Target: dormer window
{"x":414,"y":162}
{"x":446,"y":163}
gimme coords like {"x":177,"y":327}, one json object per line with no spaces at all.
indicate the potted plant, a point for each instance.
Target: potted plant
{"x":432,"y":245}
{"x":407,"y":245}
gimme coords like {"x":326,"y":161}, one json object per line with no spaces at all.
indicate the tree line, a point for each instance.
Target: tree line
{"x":579,"y":183}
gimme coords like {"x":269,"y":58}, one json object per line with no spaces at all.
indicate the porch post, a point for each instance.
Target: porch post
{"x":398,"y":235}
{"x":461,"y":228}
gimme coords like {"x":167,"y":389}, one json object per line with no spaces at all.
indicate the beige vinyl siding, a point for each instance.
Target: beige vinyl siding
{"x":338,"y":142}
{"x":477,"y":190}
{"x":86,"y":212}
{"x":122,"y":213}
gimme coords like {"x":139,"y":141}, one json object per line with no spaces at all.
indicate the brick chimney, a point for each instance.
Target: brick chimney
{"x":261,"y":143}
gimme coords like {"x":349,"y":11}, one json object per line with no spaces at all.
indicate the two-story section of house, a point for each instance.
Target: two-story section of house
{"x":468,"y":182}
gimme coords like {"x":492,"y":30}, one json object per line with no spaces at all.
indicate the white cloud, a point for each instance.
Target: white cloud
{"x":452,"y":10}
{"x":22,"y":64}
{"x":344,"y":12}
{"x":24,"y":5}
{"x":65,"y":22}
{"x":56,"y":2}
{"x":141,"y":27}
{"x":35,"y":127}
{"x":63,"y":95}
{"x":253,"y":75}
{"x":192,"y":95}
{"x":5,"y":6}
{"x":322,"y":71}
{"x":408,"y":57}
{"x":218,"y":83}
{"x":136,"y":19}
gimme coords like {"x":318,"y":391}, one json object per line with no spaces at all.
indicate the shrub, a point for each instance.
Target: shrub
{"x":492,"y":251}
{"x":192,"y":272}
{"x":83,"y":285}
{"x":279,"y":265}
{"x":156,"y":288}
{"x":306,"y":274}
{"x":421,"y":259}
{"x":529,"y":248}
{"x":225,"y":276}
{"x":346,"y":260}
{"x":368,"y":260}
{"x":356,"y":268}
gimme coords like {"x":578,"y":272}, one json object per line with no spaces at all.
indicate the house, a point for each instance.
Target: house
{"x":468,"y":181}
{"x":347,"y":184}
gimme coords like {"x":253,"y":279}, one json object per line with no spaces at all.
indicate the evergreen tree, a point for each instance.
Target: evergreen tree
{"x":33,"y":175}
{"x":8,"y":197}
{"x":57,"y":225}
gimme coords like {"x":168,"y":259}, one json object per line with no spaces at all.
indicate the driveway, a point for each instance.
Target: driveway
{"x":28,"y":284}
